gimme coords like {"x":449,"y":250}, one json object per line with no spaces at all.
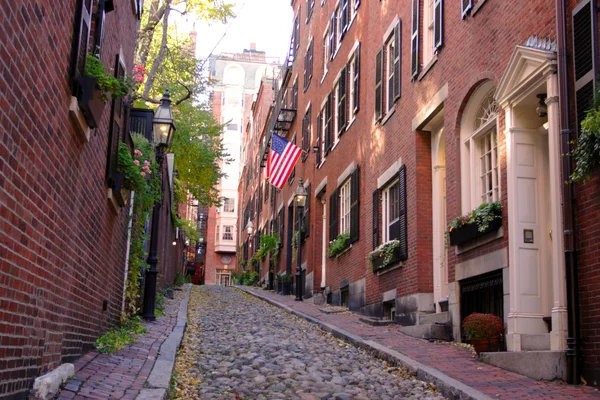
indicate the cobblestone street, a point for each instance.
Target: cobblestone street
{"x":237,"y":347}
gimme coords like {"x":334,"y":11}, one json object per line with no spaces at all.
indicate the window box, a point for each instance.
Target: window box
{"x":469,"y":232}
{"x":379,"y":260}
{"x":89,"y":100}
{"x":120,"y":192}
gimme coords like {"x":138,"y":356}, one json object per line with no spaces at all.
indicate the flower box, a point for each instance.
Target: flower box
{"x":379,"y":262}
{"x":90,"y":101}
{"x":469,"y":232}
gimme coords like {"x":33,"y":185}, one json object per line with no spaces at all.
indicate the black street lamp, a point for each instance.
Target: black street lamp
{"x":163,"y":129}
{"x":300,"y":197}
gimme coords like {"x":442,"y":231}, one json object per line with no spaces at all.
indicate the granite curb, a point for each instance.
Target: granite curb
{"x":445,"y":385}
{"x":159,"y":381}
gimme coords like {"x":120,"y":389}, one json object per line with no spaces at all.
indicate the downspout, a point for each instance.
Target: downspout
{"x":573,"y":353}
{"x":324,"y":245}
{"x":127,"y":249}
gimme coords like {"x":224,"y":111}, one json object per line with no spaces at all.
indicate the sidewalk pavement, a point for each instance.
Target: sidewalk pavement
{"x":138,"y":371}
{"x":455,"y":371}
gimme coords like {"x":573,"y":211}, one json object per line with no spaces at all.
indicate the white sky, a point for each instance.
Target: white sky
{"x":268,"y":23}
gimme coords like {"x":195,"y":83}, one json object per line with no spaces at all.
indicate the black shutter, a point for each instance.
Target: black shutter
{"x":281,"y":227}
{"x":355,"y":205}
{"x":332,"y":36}
{"x":342,"y":102}
{"x":305,"y":122}
{"x":379,"y":85}
{"x":295,"y":95}
{"x":356,"y":79}
{"x":306,"y":71}
{"x":403,"y":237}
{"x":306,"y":216}
{"x":375,"y":219}
{"x":81,"y":38}
{"x":466,"y":7}
{"x":585,"y":59}
{"x":319,"y":133}
{"x":438,"y":24}
{"x":334,"y":216}
{"x":116,"y":131}
{"x":328,"y":123}
{"x":344,"y":18}
{"x":297,"y":34}
{"x":356,"y":4}
{"x":397,"y":60}
{"x":414,"y":40}
{"x":310,"y":60}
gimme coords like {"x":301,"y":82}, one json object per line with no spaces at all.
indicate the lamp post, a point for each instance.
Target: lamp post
{"x":163,"y":129}
{"x":300,"y":197}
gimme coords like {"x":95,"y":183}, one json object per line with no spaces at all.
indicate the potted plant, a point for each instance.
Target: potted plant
{"x":385,"y":254}
{"x":286,"y":285}
{"x":484,"y":219}
{"x":278,"y":283}
{"x":483,"y":331}
{"x":338,"y":245}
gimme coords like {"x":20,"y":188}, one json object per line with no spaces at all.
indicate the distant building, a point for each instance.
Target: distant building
{"x":238,"y":77}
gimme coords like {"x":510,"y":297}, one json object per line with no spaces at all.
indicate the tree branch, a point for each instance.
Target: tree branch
{"x":161,"y":51}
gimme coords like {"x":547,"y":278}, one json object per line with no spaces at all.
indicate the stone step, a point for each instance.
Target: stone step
{"x":429,"y":331}
{"x":539,"y":342}
{"x":434,"y":318}
{"x":546,"y":365}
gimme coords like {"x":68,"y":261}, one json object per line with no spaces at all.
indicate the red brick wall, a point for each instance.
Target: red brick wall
{"x":62,"y":249}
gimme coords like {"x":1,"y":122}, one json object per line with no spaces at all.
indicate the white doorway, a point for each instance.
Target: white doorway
{"x":438,"y":180}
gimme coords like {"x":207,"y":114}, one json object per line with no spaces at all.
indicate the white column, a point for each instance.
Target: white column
{"x":558,"y":336}
{"x":324,"y":243}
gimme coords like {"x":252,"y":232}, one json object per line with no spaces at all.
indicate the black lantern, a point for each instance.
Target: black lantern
{"x":300,"y":198}
{"x":163,"y":128}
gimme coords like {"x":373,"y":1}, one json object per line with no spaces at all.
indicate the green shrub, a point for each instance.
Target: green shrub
{"x":338,"y":245}
{"x":117,"y":338}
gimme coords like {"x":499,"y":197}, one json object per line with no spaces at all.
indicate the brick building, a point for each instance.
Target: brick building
{"x":64,"y":217}
{"x":238,"y":77}
{"x":414,"y":113}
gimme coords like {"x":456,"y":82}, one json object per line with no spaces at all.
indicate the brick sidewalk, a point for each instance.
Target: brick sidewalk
{"x":455,"y":362}
{"x":122,"y":375}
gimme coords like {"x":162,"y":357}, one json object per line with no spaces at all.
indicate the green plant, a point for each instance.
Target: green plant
{"x":338,"y":245}
{"x":385,"y":250}
{"x":269,"y":244}
{"x":250,"y":279}
{"x":117,"y":338}
{"x":483,"y":326}
{"x":159,"y":305}
{"x":482,"y":216}
{"x":286,"y":278}
{"x":587,"y":152}
{"x":243,"y":263}
{"x":108,"y":84}
{"x":179,"y":279}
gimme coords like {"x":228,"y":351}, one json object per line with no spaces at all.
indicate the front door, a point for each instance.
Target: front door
{"x":440,"y":264}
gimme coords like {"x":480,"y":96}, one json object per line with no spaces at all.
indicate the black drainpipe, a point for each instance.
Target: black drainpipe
{"x":573,"y":353}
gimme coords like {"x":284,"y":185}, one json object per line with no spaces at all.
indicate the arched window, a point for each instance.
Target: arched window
{"x":480,"y":177}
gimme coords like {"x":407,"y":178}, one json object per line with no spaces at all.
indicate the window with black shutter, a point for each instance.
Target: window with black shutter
{"x":356,"y":81}
{"x":280,"y":228}
{"x":332,"y":35}
{"x":297,"y":34}
{"x":355,"y":205}
{"x":81,"y":39}
{"x":306,"y":133}
{"x":295,"y":95}
{"x":379,"y":85}
{"x":319,"y":133}
{"x":466,"y":6}
{"x":438,"y":24}
{"x":344,"y":18}
{"x":341,"y":105}
{"x":584,"y":56}
{"x":310,"y":5}
{"x":310,"y":60}
{"x":259,"y":204}
{"x":397,"y":60}
{"x":114,"y":179}
{"x":414,"y":39}
{"x":333,"y":215}
{"x":375,"y":219}
{"x":329,"y":123}
{"x":403,"y":225}
{"x":306,"y":216}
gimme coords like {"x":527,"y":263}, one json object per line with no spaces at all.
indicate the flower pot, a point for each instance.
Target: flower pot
{"x":469,"y":232}
{"x":286,"y":288}
{"x":89,"y":100}
{"x":485,"y":345}
{"x":279,"y":286}
{"x":379,"y":262}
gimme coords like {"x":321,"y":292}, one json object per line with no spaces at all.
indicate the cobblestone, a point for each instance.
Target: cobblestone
{"x":238,"y":347}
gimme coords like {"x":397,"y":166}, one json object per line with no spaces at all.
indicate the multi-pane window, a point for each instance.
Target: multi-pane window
{"x":340,"y":96}
{"x":354,"y":83}
{"x":488,"y":158}
{"x":308,"y":65}
{"x":306,"y":134}
{"x":326,"y":50}
{"x":387,"y":72}
{"x":391,"y":211}
{"x":433,"y":32}
{"x":345,"y":203}
{"x":353,"y":7}
{"x":229,"y":205}
{"x":227,"y":232}
{"x":310,"y":5}
{"x":390,"y":53}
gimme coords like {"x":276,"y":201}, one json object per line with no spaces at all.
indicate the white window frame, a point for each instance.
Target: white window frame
{"x":352,"y":10}
{"x":218,"y":234}
{"x":338,"y":26}
{"x":388,"y":76}
{"x":323,"y":133}
{"x":326,"y":52}
{"x":334,"y":108}
{"x":232,"y":205}
{"x":228,"y":232}
{"x":386,"y":202}
{"x":428,"y":33}
{"x":345,"y":206}
{"x":474,"y":143}
{"x":350,"y":87}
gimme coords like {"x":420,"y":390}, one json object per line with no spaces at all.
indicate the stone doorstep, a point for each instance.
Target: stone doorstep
{"x":539,"y":365}
{"x":376,"y":321}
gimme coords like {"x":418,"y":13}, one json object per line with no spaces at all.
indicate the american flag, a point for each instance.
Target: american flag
{"x":283,"y":156}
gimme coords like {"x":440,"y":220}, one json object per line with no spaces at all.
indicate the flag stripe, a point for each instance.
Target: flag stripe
{"x":286,"y":169}
{"x":283,"y":157}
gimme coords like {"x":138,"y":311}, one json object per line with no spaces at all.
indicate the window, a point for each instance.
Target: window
{"x":585,"y":42}
{"x":433,"y":32}
{"x":228,"y":205}
{"x":354,"y":4}
{"x":394,"y":220}
{"x":296,"y":34}
{"x":295,"y":95}
{"x":466,"y":6}
{"x":308,"y":65}
{"x":326,"y":124}
{"x":387,"y":74}
{"x":414,"y":40}
{"x":340,"y":99}
{"x":333,"y":33}
{"x":345,"y":207}
{"x":479,"y":150}
{"x":344,"y":19}
{"x":354,"y":83}
{"x":217,"y":234}
{"x":326,"y":50}
{"x":227,"y":232}
{"x":306,"y":134}
{"x":310,"y":5}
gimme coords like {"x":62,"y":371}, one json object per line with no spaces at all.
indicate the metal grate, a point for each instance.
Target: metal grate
{"x":482,"y":294}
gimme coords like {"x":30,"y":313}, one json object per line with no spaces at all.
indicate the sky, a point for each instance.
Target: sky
{"x":268,"y":23}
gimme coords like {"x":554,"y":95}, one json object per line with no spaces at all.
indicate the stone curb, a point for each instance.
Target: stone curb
{"x":159,"y":381}
{"x":444,"y":384}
